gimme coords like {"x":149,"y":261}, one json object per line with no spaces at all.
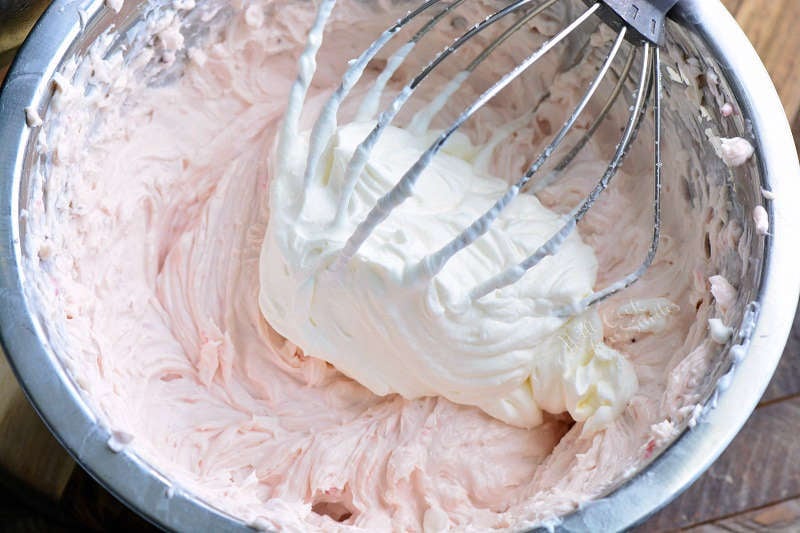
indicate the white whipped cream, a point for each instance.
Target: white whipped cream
{"x":761,"y":220}
{"x":724,"y":293}
{"x":720,"y":333}
{"x":383,"y":323}
{"x":734,"y":151}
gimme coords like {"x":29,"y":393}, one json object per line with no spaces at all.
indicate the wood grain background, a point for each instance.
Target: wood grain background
{"x":754,"y":486}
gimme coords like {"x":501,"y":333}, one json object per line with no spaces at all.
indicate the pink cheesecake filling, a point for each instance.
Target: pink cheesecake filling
{"x":144,"y":231}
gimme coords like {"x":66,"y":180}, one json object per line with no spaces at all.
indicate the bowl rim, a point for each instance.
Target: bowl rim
{"x":143,"y":489}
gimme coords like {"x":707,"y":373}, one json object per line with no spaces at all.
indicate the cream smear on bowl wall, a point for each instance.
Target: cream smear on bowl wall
{"x":146,"y":250}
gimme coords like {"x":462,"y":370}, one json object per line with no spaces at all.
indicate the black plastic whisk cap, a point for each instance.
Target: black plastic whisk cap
{"x":647,"y":18}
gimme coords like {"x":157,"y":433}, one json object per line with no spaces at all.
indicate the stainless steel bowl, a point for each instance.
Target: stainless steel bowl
{"x":706,"y":31}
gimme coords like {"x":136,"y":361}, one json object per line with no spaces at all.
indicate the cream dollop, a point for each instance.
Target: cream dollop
{"x":720,"y":333}
{"x":735,"y":151}
{"x":395,"y":331}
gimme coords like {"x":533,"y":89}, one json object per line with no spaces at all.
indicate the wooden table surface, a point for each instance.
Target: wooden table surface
{"x":754,"y":486}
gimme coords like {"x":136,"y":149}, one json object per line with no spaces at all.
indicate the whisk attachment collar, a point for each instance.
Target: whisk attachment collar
{"x":646,"y":18}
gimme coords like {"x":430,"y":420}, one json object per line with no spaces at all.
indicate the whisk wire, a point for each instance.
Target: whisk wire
{"x":299,"y":90}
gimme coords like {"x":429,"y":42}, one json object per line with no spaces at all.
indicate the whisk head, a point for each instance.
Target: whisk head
{"x":639,"y":27}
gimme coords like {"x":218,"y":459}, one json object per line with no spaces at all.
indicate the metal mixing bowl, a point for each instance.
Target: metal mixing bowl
{"x":706,"y":31}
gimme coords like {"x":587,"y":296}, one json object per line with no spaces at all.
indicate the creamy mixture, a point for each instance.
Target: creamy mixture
{"x":150,"y":208}
{"x":394,"y":328}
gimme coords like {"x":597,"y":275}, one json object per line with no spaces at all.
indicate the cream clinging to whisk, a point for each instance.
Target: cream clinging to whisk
{"x":395,"y":256}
